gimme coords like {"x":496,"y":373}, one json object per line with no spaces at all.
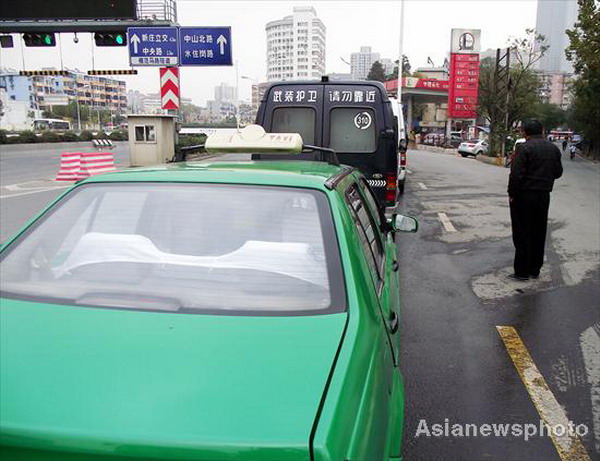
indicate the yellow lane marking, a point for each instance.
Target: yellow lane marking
{"x":446,"y":222}
{"x":569,"y":446}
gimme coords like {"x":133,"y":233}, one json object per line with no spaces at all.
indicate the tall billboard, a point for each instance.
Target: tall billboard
{"x":465,"y":46}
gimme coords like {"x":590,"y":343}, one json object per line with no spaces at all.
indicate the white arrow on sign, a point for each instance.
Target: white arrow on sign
{"x":222,"y":41}
{"x":135,"y":40}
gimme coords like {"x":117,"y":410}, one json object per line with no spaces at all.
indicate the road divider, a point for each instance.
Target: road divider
{"x":567,"y":443}
{"x":75,"y":166}
{"x":70,"y":162}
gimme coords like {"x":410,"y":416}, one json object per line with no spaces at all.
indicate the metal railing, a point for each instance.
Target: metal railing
{"x":156,"y":10}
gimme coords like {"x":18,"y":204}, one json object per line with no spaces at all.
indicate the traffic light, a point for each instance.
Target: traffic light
{"x":110,"y":38}
{"x":39,"y":39}
{"x":6,"y":41}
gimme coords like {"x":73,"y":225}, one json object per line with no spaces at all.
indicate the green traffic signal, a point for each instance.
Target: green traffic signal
{"x":111,"y":38}
{"x":39,"y":39}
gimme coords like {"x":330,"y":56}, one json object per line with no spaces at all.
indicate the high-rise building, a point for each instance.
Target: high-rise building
{"x":225,"y":92}
{"x":555,"y":88}
{"x":296,"y":46}
{"x":361,"y":62}
{"x":553,"y":19}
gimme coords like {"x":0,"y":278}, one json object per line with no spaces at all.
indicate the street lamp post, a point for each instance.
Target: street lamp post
{"x":401,"y":60}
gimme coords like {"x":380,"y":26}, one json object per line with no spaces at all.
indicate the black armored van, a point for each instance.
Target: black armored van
{"x":354,"y":118}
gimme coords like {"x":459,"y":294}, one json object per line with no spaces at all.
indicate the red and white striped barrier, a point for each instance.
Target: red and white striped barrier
{"x":69,"y":166}
{"x":80,"y":165}
{"x":93,"y":163}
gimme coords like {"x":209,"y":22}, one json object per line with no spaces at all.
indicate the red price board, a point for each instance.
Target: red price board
{"x":464,"y":86}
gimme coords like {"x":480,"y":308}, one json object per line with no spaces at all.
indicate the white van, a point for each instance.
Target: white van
{"x":402,"y":143}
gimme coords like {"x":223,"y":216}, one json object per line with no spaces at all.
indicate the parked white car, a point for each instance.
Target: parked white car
{"x":473,"y":147}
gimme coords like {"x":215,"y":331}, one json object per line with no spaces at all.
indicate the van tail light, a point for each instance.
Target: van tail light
{"x":390,"y":187}
{"x":403,"y":159}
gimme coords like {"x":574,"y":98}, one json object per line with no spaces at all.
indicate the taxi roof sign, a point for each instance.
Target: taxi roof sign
{"x":253,"y":139}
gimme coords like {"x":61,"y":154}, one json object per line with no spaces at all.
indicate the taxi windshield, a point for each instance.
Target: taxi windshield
{"x":181,"y":247}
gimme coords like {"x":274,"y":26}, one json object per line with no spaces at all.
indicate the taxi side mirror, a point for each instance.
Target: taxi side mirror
{"x":401,"y":223}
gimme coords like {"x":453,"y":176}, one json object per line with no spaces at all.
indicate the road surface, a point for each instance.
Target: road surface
{"x":477,"y":349}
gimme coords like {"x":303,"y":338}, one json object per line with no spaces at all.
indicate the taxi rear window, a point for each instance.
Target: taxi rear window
{"x":352,"y":130}
{"x":295,"y":120}
{"x":187,"y":248}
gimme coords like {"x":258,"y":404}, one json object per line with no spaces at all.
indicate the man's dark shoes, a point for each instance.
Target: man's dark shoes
{"x":518,"y":278}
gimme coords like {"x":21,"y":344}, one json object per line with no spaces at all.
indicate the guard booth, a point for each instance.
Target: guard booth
{"x":151,"y":138}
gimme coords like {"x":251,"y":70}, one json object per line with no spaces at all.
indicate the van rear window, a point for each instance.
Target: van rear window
{"x":295,"y":120}
{"x":352,"y":130}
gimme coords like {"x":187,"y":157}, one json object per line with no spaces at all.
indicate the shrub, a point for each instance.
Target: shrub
{"x":86,"y":135}
{"x":101,"y":135}
{"x":3,"y":139}
{"x":119,"y":136}
{"x":49,"y":136}
{"x":191,"y":140}
{"x":27,"y":137}
{"x":69,"y":136}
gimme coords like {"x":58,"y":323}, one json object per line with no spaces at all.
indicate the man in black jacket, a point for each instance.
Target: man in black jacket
{"x":534,"y":168}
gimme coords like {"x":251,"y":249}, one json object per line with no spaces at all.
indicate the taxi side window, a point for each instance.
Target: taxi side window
{"x":372,"y":202}
{"x":367,"y":231}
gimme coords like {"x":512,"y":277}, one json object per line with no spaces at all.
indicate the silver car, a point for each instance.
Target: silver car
{"x":473,"y":147}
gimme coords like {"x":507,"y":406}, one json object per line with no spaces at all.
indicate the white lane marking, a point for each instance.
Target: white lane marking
{"x":568,"y":446}
{"x":422,"y":186}
{"x":408,"y":171}
{"x":590,"y":347}
{"x":18,"y":186}
{"x":446,"y":222}
{"x":37,"y":191}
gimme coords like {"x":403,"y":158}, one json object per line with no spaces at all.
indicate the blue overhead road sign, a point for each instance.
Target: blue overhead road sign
{"x":205,"y":46}
{"x":153,"y":46}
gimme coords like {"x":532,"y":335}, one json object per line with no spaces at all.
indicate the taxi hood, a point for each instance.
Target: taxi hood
{"x":164,"y":385}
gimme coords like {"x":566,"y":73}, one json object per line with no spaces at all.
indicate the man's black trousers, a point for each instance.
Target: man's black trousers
{"x":529,"y":217}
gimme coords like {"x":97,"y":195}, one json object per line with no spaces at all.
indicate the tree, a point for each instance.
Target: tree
{"x":377,"y":72}
{"x":405,"y":69}
{"x":583,"y":52}
{"x":523,"y":87}
{"x":551,"y":115}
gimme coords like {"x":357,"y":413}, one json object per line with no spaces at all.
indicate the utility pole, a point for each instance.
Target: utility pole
{"x":237,"y":95}
{"x":502,"y":86}
{"x":78,"y":111}
{"x":401,"y":60}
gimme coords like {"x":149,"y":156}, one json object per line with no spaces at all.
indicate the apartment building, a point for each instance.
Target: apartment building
{"x":296,"y":46}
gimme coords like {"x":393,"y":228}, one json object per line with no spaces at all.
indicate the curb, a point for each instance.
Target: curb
{"x":496,"y":161}
{"x":441,"y":150}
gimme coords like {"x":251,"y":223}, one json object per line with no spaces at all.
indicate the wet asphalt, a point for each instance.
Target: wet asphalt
{"x":454,"y":293}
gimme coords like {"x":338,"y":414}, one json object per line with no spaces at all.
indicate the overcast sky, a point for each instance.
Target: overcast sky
{"x":350,"y":25}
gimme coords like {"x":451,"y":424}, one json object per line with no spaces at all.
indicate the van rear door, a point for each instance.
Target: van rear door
{"x":293,"y":108}
{"x":353,"y":120}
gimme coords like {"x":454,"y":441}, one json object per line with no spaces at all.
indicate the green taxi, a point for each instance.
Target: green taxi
{"x":209,"y":311}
